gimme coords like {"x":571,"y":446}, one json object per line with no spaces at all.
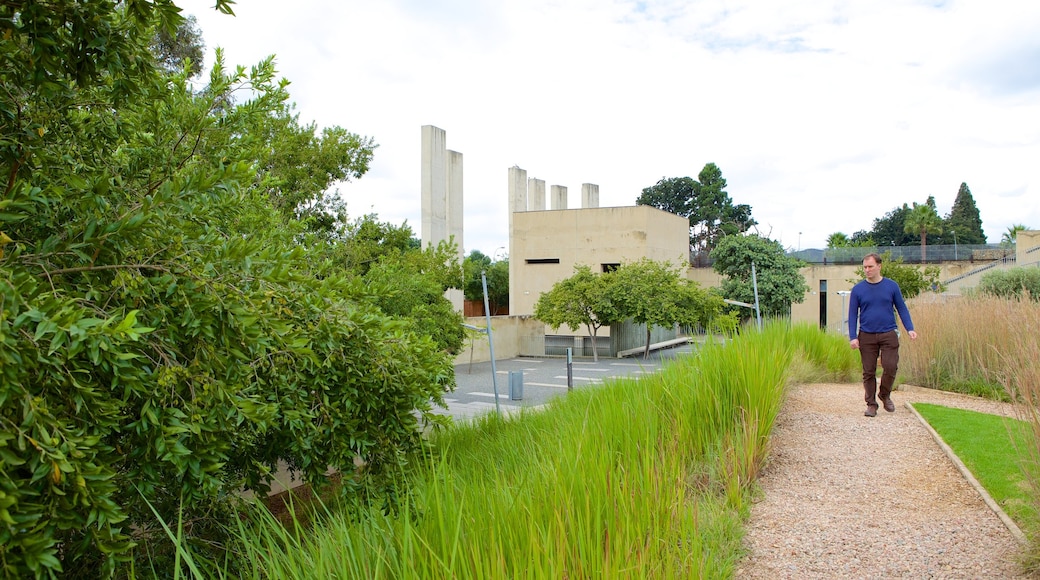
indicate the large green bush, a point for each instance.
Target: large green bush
{"x":174,"y":322}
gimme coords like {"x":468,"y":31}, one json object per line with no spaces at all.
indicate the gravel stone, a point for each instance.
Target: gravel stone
{"x":845,"y":495}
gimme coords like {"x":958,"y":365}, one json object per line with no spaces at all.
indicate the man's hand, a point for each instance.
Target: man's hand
{"x":854,"y":343}
{"x":912,"y":334}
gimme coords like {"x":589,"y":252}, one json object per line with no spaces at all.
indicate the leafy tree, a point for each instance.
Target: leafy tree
{"x":1010,"y":237}
{"x":963,"y":219}
{"x":475,"y":263}
{"x":922,"y":220}
{"x":173,"y":328}
{"x":496,"y":273}
{"x":653,"y":293}
{"x":779,"y":282}
{"x":862,"y":238}
{"x":498,"y":284}
{"x":583,"y":299}
{"x":411,"y":285}
{"x":704,"y":202}
{"x":890,"y":229}
{"x":912,"y":280}
{"x":179,"y":48}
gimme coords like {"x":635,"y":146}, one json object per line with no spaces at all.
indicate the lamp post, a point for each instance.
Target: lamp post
{"x":954,"y":244}
{"x":799,"y":241}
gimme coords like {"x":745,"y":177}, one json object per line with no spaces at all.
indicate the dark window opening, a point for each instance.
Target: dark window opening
{"x":823,"y":304}
{"x":610,"y":267}
{"x":543,"y":261}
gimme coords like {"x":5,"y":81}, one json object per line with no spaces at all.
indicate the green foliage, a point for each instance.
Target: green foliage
{"x":922,"y":220}
{"x":653,"y":293}
{"x":581,"y":300}
{"x":472,"y":266}
{"x":912,"y":280}
{"x":780,"y":284}
{"x":1017,"y":283}
{"x":1010,"y":237}
{"x":705,"y":202}
{"x":963,"y":220}
{"x":173,"y":324}
{"x":837,"y":240}
{"x":889,"y":230}
{"x":496,"y":273}
{"x":180,"y":48}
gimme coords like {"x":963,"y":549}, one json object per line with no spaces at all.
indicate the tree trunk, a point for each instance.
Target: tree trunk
{"x":595,"y":351}
{"x":923,"y":236}
{"x":646,"y":352}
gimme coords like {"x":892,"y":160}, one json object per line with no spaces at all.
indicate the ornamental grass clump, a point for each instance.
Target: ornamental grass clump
{"x":961,"y":341}
{"x":640,"y":478}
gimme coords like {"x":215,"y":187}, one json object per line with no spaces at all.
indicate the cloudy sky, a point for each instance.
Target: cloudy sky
{"x":822,"y":115}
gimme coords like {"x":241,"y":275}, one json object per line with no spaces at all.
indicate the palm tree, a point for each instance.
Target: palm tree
{"x":1011,"y":235}
{"x":922,"y":220}
{"x":837,"y":240}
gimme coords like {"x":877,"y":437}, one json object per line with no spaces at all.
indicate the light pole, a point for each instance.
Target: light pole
{"x":799,"y":241}
{"x":954,"y":244}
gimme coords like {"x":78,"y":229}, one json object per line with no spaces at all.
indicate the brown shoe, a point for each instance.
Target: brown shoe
{"x":889,"y":405}
{"x":870,"y":412}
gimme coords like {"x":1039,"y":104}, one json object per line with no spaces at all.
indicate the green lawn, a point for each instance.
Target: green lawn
{"x":992,"y":447}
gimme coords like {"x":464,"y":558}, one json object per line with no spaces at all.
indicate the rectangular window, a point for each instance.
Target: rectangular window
{"x":610,"y":267}
{"x":543,"y":261}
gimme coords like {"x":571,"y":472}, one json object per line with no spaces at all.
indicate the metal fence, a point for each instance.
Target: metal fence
{"x":910,"y":254}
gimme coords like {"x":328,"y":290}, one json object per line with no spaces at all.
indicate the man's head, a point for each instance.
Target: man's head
{"x":872,"y":267}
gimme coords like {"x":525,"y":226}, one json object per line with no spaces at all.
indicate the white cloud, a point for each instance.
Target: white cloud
{"x":822,"y":115}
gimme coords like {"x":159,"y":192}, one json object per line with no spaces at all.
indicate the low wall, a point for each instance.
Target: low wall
{"x":511,"y":334}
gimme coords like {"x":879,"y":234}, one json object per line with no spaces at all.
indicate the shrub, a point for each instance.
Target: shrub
{"x":1012,"y":283}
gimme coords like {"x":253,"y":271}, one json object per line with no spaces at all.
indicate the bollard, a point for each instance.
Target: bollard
{"x":516,"y":385}
{"x":570,"y":371}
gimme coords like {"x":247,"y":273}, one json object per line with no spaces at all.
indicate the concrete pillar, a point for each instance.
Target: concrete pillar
{"x":535,"y":194}
{"x":434,"y":186}
{"x":589,"y":196}
{"x":454,"y":218}
{"x":558,"y":197}
{"x":517,"y":202}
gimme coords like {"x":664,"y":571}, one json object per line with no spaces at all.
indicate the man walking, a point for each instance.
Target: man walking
{"x":873,"y":304}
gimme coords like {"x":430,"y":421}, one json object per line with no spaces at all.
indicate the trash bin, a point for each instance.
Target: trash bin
{"x":516,"y":385}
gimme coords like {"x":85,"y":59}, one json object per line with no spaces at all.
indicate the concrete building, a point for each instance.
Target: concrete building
{"x":547,"y":245}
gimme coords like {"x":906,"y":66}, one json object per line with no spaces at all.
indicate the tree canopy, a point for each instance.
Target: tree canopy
{"x":922,"y":220}
{"x":963,"y":225}
{"x":704,"y":202}
{"x":496,"y":273}
{"x":655,"y":294}
{"x":180,"y":312}
{"x":583,"y":299}
{"x":780,"y":284}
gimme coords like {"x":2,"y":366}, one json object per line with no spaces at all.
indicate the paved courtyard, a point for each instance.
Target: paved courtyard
{"x":543,"y":379}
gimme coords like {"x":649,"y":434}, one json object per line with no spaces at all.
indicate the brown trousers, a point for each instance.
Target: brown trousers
{"x":871,"y":344}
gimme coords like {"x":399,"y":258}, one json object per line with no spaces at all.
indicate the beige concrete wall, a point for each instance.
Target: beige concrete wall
{"x":1027,"y":240}
{"x":513,"y":337}
{"x":592,"y":236}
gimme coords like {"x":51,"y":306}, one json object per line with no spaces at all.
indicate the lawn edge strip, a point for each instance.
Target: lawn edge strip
{"x":993,"y":505}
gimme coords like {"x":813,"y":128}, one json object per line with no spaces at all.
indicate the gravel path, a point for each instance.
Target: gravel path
{"x":847,"y":496}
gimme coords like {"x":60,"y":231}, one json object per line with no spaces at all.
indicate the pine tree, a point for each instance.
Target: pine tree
{"x":963,"y":219}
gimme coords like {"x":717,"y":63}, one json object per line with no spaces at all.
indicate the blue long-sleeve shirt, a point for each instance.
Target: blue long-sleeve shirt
{"x":873,"y":307}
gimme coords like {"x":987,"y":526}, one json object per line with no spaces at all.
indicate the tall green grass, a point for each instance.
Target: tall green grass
{"x":638,"y":478}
